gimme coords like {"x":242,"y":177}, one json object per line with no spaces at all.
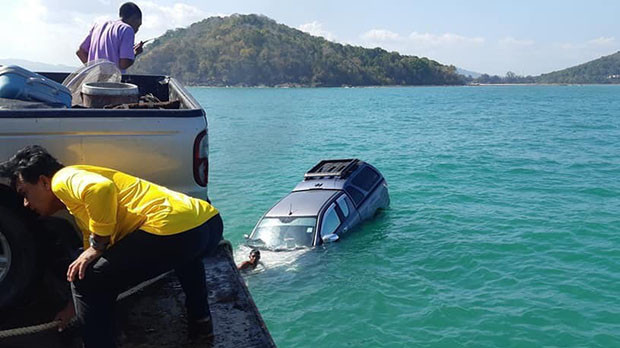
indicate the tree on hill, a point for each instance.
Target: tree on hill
{"x":603,"y":70}
{"x":251,"y":50}
{"x":510,"y":77}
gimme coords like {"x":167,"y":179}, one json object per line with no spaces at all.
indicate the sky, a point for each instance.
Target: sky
{"x":525,"y":37}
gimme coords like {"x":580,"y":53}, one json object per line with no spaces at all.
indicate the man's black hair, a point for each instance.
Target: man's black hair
{"x":30,"y":162}
{"x":128,"y":10}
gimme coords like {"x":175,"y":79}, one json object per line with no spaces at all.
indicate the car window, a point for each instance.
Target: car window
{"x":356,"y":194}
{"x":331,"y":221}
{"x":344,"y":206}
{"x":366,"y":179}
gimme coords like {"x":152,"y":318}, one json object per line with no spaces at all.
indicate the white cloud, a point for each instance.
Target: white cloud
{"x":442,"y":47}
{"x":375,"y":35}
{"x":566,"y":46}
{"x":418,"y":40}
{"x":315,"y":28}
{"x":447,"y":39}
{"x":511,"y":41}
{"x":41,"y":37}
{"x":30,"y":11}
{"x":159,"y":18}
{"x":603,"y":41}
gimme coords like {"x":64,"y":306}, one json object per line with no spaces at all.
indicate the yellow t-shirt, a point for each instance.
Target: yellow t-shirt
{"x":107,"y":202}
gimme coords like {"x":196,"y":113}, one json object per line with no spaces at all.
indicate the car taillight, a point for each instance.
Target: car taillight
{"x":201,"y":159}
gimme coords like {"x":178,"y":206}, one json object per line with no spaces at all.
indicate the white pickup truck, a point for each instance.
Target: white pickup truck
{"x":166,"y":146}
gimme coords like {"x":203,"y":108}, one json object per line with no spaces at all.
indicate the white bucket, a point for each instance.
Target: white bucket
{"x":100,"y":94}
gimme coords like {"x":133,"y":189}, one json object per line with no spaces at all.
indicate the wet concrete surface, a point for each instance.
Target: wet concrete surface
{"x":155,"y":316}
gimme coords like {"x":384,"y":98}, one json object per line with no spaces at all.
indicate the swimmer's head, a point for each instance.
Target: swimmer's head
{"x":255,"y":254}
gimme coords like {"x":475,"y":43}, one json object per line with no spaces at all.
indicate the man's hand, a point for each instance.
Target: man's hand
{"x":65,"y":315}
{"x":137,"y":49}
{"x":79,"y":265}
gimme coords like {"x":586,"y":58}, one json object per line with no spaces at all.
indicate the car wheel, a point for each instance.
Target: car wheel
{"x":17,"y":257}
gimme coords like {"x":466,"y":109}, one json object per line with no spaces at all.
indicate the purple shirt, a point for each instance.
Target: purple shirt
{"x":111,"y":40}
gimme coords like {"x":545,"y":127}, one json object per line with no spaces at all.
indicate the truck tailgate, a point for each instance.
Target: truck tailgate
{"x":158,"y":149}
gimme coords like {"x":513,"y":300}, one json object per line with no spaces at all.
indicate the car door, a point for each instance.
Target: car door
{"x":339,"y":217}
{"x":330,"y":223}
{"x":347,"y":213}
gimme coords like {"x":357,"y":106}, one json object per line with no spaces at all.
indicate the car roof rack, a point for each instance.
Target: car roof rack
{"x":335,"y":167}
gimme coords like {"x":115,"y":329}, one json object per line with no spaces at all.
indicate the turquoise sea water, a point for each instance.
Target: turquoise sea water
{"x":504,"y":224}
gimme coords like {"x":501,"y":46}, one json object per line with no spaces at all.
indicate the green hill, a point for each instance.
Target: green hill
{"x":253,"y":50}
{"x":603,"y":70}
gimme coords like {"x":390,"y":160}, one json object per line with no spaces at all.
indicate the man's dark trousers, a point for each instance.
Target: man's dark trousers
{"x":134,"y":259}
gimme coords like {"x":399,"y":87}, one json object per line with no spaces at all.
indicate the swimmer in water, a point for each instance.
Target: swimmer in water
{"x":252,"y":263}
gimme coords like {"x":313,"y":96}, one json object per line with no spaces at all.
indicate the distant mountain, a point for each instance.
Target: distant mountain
{"x":603,"y":70}
{"x":468,"y":73}
{"x":253,"y":50}
{"x":37,"y":66}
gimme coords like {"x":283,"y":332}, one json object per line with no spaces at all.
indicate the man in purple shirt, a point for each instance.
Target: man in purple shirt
{"x":114,"y":40}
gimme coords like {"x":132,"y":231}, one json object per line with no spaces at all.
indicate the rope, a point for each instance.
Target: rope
{"x":140,"y":286}
{"x":27,"y":330}
{"x":20,"y":331}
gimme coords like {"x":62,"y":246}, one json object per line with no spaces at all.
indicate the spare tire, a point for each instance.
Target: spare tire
{"x":17,"y":257}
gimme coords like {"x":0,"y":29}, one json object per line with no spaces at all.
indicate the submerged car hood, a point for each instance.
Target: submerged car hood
{"x":301,"y":203}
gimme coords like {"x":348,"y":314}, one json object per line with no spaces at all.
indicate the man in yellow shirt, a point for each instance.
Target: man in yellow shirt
{"x":132,"y":229}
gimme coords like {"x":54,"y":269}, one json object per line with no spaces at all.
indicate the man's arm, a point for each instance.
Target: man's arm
{"x":245,"y":265}
{"x":98,"y":244}
{"x":65,"y":315}
{"x":125,"y":63}
{"x":82,"y":51}
{"x":83,"y":55}
{"x":78,"y":267}
{"x":100,"y":202}
{"x":98,"y":195}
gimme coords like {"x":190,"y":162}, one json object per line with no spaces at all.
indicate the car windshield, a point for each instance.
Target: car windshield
{"x":284,"y":233}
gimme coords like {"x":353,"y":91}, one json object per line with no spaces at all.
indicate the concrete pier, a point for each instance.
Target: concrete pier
{"x":155,"y":316}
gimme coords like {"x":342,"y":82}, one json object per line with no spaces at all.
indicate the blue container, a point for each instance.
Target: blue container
{"x":19,"y":83}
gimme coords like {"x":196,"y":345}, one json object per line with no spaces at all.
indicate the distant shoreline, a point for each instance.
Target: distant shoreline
{"x":542,"y":84}
{"x":308,"y":86}
{"x":411,"y":86}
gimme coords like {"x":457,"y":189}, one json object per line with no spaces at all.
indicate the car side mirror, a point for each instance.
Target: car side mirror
{"x":246,"y":236}
{"x":330,"y":238}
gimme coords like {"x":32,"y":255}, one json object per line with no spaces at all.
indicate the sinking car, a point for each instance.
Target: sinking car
{"x":334,"y":197}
